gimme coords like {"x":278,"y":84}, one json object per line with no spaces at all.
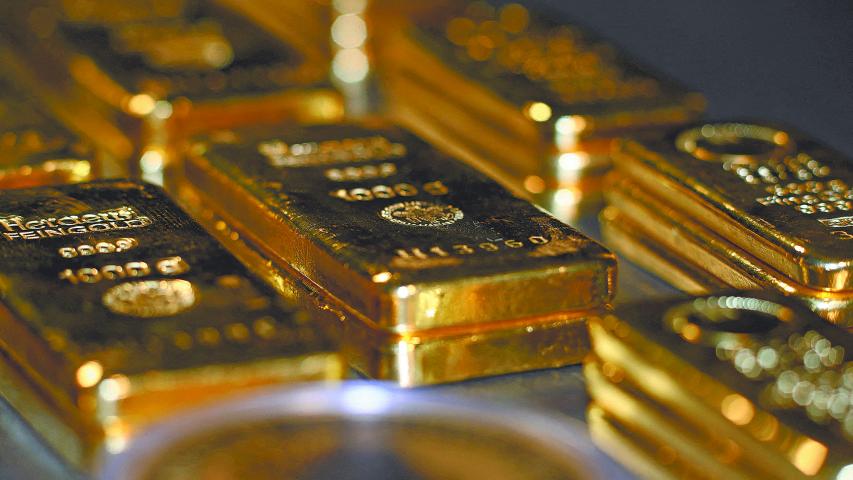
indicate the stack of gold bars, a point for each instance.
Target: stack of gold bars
{"x":352,"y":185}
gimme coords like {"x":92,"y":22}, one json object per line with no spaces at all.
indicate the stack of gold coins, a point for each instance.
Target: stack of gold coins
{"x":148,"y":316}
{"x":153,"y":71}
{"x":736,"y":385}
{"x":434,"y":272}
{"x":741,"y":205}
{"x":533,"y":102}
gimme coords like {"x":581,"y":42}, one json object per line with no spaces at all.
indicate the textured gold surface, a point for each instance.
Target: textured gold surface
{"x":725,"y":374}
{"x":406,"y":236}
{"x":775,"y":194}
{"x":520,"y":91}
{"x":169,"y":318}
{"x":697,"y":248}
{"x":140,"y":79}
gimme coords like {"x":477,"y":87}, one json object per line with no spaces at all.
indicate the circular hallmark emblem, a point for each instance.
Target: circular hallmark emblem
{"x":150,"y":298}
{"x":421,"y":214}
{"x":739,"y":143}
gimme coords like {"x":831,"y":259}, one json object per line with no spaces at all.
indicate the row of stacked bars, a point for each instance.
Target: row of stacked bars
{"x":737,"y":385}
{"x":737,"y":205}
{"x":376,"y":248}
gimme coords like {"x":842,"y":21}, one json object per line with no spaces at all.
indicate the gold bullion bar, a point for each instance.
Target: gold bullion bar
{"x":406,"y":236}
{"x":168,"y":319}
{"x":161,"y":72}
{"x":689,"y":357}
{"x":626,"y":238}
{"x":526,"y":89}
{"x":646,"y":441}
{"x":34,"y":148}
{"x":773,"y":192}
{"x":440,"y":356}
{"x":690,"y":243}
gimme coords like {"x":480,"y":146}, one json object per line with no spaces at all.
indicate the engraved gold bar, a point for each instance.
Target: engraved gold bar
{"x":166,"y":318}
{"x":700,"y":252}
{"x":438,"y":356}
{"x":534,"y":101}
{"x":682,"y":364}
{"x":406,"y":236}
{"x":774,"y":193}
{"x":35,"y":149}
{"x":160,"y":73}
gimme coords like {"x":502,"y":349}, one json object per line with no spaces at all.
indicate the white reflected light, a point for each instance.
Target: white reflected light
{"x":366,"y":400}
{"x":349,"y":31}
{"x":350,"y":65}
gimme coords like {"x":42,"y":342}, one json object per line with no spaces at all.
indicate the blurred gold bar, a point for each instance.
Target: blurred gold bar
{"x":720,"y":378}
{"x":437,"y":356}
{"x":773,"y":193}
{"x":170,"y":319}
{"x":705,"y":258}
{"x":160,"y":72}
{"x":406,"y":236}
{"x":532,"y":101}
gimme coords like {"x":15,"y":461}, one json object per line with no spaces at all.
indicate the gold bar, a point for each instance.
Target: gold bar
{"x":773,"y":193}
{"x":535,"y":101}
{"x":438,"y":356}
{"x":696,"y":247}
{"x":406,"y":236}
{"x":163,"y":72}
{"x":169,"y":318}
{"x":687,"y":358}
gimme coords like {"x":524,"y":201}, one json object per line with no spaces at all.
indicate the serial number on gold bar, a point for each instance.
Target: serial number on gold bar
{"x":410,"y":238}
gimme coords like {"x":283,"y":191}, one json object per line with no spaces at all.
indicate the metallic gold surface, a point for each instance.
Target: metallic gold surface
{"x":170,"y":319}
{"x":406,"y":236}
{"x":523,"y":90}
{"x":750,"y":378}
{"x":438,"y":356}
{"x":161,"y":73}
{"x":775,"y":194}
{"x":697,"y":248}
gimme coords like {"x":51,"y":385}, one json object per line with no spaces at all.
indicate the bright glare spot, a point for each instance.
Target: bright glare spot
{"x":534,"y":184}
{"x":737,"y":409}
{"x":573,"y":161}
{"x":566,"y":196}
{"x":366,"y":400}
{"x":349,"y":31}
{"x":846,"y":473}
{"x":350,"y":65}
{"x":810,"y":456}
{"x":152,"y":161}
{"x":570,"y":125}
{"x":162,"y":109}
{"x":538,"y":111}
{"x":114,"y":388}
{"x":382,"y":277}
{"x":406,"y":291}
{"x":218,"y":54}
{"x":141,"y":104}
{"x":89,"y":374}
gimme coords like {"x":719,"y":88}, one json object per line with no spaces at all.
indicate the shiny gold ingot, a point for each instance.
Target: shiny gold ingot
{"x":775,"y":194}
{"x":706,"y":261}
{"x":406,"y":236}
{"x":163,"y":72}
{"x":531,"y":101}
{"x":439,"y":356}
{"x":166,"y":318}
{"x":726,"y":374}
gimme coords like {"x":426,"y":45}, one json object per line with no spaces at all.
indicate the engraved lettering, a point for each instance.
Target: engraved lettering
{"x":116,"y":219}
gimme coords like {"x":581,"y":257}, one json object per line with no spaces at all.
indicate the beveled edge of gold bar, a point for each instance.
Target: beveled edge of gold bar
{"x":387,"y":306}
{"x":692,"y":245}
{"x":622,"y":234}
{"x":676,"y":389}
{"x":786,"y":254}
{"x":691,"y":447}
{"x":400,"y":358}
